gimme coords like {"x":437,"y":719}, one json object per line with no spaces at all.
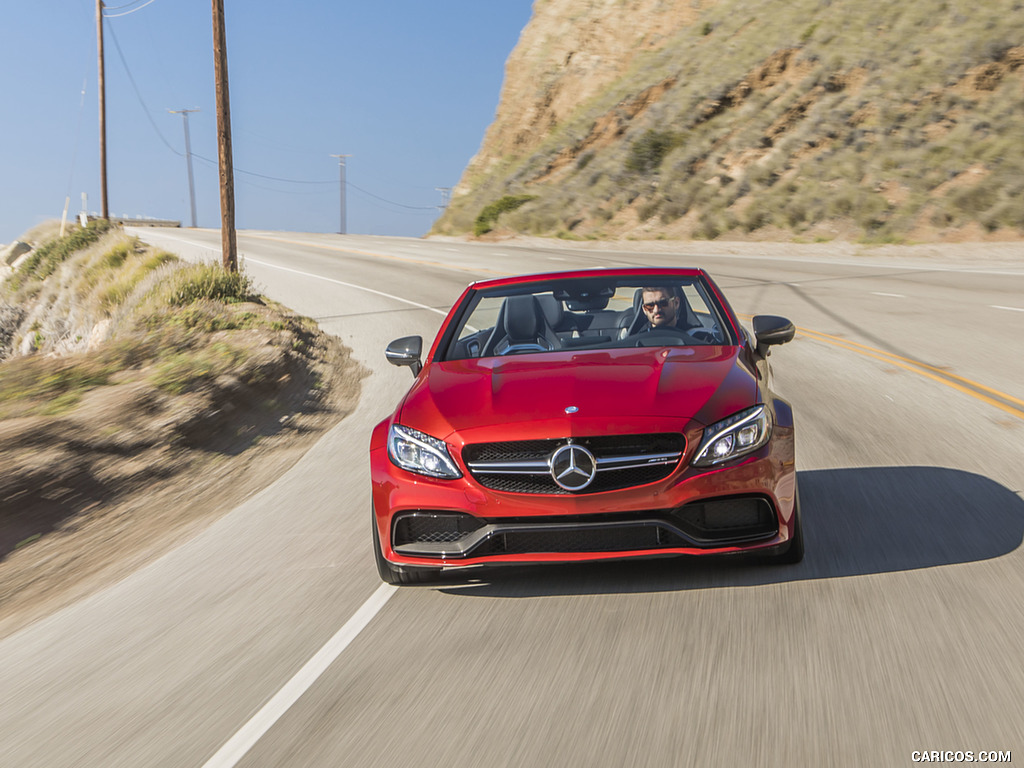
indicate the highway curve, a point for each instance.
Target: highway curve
{"x":268,"y":640}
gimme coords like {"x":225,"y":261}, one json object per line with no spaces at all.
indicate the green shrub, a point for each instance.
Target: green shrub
{"x":649,"y":150}
{"x":117,"y":255}
{"x":45,"y":259}
{"x":208,"y":281}
{"x":489,"y":215}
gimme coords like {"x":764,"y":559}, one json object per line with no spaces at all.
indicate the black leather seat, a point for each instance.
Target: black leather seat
{"x":521,"y":327}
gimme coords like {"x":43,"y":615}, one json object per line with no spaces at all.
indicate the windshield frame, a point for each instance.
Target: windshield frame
{"x":570,"y":284}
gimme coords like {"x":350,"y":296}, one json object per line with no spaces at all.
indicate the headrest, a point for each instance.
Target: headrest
{"x":521,"y":321}
{"x":552,"y":309}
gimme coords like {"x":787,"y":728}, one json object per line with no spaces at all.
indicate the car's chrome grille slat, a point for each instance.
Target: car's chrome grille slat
{"x":623,"y":461}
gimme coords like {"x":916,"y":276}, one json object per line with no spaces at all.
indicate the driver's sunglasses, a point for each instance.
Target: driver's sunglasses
{"x":660,"y":304}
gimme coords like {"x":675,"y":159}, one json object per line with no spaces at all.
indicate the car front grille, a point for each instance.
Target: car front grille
{"x":705,"y":524}
{"x":622,"y":538}
{"x":624,"y":461}
{"x":434,"y":528}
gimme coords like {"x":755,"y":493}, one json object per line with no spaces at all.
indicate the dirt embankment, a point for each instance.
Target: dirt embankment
{"x":89,"y":496}
{"x":113,"y":455}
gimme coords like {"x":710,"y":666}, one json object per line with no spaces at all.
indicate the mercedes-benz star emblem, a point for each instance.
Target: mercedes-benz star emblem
{"x":573,"y":467}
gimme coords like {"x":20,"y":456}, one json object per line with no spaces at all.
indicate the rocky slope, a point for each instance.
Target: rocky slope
{"x":758,"y":119}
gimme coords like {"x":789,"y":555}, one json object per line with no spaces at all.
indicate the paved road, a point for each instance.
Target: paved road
{"x":269,"y":641}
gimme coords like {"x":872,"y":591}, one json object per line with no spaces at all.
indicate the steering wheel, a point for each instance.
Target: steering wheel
{"x":662,"y":337}
{"x":706,"y":335}
{"x":513,"y":349}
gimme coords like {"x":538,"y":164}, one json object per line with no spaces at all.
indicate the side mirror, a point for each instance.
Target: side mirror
{"x":406,"y":351}
{"x":770,"y":330}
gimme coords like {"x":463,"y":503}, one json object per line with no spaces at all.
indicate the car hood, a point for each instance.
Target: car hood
{"x":607,"y":387}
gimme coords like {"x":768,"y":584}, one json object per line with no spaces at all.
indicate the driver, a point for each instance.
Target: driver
{"x":661,"y":305}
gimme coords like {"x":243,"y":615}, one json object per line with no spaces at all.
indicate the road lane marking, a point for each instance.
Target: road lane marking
{"x":1000,"y":400}
{"x":894,"y":295}
{"x":919,"y":364}
{"x":250,"y":733}
{"x":348,"y":285}
{"x":375,"y":254}
{"x":1012,"y":309}
{"x":978,"y":391}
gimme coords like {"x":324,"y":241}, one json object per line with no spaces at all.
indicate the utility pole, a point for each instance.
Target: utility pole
{"x":188,"y":159}
{"x":103,"y":111}
{"x":341,"y":166}
{"x":229,"y":253}
{"x":445,"y":194}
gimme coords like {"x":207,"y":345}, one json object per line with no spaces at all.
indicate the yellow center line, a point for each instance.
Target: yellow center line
{"x":375,"y":254}
{"x":918,"y":369}
{"x":938,"y":370}
{"x":951,"y":380}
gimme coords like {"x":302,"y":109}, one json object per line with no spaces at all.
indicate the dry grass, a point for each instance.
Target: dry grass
{"x":96,"y":304}
{"x":801,"y":116}
{"x":154,"y":396}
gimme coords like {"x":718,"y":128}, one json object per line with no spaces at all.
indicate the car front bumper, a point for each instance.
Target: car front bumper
{"x":745,"y":506}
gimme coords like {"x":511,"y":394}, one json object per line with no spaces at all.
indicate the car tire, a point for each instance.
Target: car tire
{"x":794,"y":552}
{"x":399,"y":575}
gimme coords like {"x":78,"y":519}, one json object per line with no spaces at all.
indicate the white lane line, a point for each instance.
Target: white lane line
{"x":239,"y":744}
{"x":212,"y":248}
{"x":347,"y":285}
{"x":1012,"y":309}
{"x":894,"y":295}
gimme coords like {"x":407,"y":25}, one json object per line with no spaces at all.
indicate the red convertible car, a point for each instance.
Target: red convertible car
{"x":586,"y":415}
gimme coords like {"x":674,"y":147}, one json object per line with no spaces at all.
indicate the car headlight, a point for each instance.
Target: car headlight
{"x":420,"y":453}
{"x":738,"y":435}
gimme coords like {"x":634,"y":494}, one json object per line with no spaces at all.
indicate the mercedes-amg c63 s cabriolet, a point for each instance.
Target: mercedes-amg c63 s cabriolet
{"x":587,"y":415}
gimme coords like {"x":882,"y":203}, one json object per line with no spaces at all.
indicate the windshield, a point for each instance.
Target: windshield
{"x":588,"y":313}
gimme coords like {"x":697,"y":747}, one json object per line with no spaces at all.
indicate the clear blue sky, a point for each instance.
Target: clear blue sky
{"x":406,"y":87}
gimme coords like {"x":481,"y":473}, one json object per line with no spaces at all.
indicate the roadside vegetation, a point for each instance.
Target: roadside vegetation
{"x":488,"y":217}
{"x":804,"y":118}
{"x":96,"y":304}
{"x":124,"y":370}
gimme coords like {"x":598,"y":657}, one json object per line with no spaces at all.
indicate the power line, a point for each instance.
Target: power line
{"x":156,"y":129}
{"x":126,"y":13}
{"x":138,"y":93}
{"x":120,"y":7}
{"x":392,"y":202}
{"x":264,"y":176}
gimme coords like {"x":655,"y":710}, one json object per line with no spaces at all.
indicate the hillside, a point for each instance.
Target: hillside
{"x":756,"y":119}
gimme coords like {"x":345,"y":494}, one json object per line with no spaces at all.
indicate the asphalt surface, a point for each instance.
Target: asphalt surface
{"x":902,"y":630}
